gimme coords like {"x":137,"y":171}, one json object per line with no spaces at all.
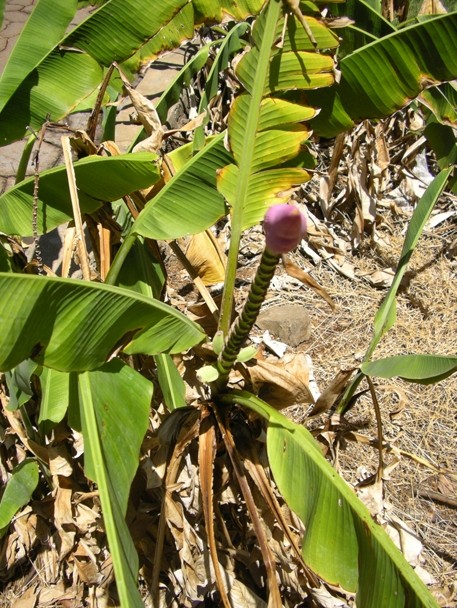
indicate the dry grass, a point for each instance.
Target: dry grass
{"x":426,"y":426}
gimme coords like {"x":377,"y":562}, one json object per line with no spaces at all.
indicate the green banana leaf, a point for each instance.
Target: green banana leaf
{"x":387,"y":313}
{"x":114,"y":402}
{"x":51,"y":91}
{"x":190,"y":202}
{"x":142,"y":272}
{"x":55,"y":390}
{"x":442,"y":102}
{"x":342,"y":544}
{"x":171,"y":383}
{"x":55,"y":81}
{"x":75,"y":326}
{"x":423,"y":369}
{"x":442,"y":140}
{"x":229,"y":46}
{"x":98,"y":178}
{"x":18,"y":492}
{"x":73,"y":69}
{"x":18,"y":381}
{"x":385,"y":75}
{"x":369,"y":25}
{"x":32,"y":46}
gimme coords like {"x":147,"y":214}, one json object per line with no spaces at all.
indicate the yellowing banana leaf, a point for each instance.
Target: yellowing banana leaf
{"x":182,"y":25}
{"x":98,"y":178}
{"x":342,"y":544}
{"x":265,"y":188}
{"x":238,"y":9}
{"x":385,"y":75}
{"x":264,"y":129}
{"x":134,"y":22}
{"x":288,"y":70}
{"x":75,"y":326}
{"x":292,"y":36}
{"x":114,"y":402}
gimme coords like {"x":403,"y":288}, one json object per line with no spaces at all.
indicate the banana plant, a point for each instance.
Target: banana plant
{"x":79,"y":336}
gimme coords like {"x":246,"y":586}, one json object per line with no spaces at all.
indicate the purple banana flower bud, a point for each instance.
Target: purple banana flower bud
{"x":284,"y":227}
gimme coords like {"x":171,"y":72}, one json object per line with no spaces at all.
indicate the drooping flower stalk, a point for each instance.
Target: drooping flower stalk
{"x":284,"y":227}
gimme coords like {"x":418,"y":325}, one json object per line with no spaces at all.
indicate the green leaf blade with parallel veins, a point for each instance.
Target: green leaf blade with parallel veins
{"x":423,"y":369}
{"x":190,"y":202}
{"x":342,"y":543}
{"x":385,"y":75}
{"x":50,"y":16}
{"x":18,"y":491}
{"x":73,"y":325}
{"x":99,"y":179}
{"x":114,"y":402}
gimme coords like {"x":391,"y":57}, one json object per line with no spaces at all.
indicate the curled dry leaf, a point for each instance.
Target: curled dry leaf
{"x":381,"y":278}
{"x":282,"y":383}
{"x":60,"y":461}
{"x":295,"y":271}
{"x":332,"y":392}
{"x":147,"y":116}
{"x":206,"y":257}
{"x":28,"y":598}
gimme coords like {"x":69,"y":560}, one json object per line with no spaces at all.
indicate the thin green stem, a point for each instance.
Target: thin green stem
{"x":120,"y":258}
{"x":25,"y":157}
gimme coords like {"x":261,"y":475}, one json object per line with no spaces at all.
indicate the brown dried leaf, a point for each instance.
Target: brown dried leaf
{"x":241,"y":595}
{"x":283,"y":383}
{"x":327,"y":182}
{"x":381,"y":278}
{"x":147,"y":116}
{"x":86,"y":518}
{"x":330,"y":395}
{"x":446,"y":486}
{"x":28,"y":599}
{"x":295,"y":271}
{"x":87,"y":571}
{"x":60,"y":462}
{"x":201,"y":314}
{"x":373,"y":498}
{"x":193,"y":124}
{"x":206,"y":457}
{"x":63,"y":512}
{"x":54,"y":595}
{"x":382,"y":149}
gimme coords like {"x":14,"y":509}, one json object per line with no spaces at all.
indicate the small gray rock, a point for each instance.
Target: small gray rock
{"x":289,"y":323}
